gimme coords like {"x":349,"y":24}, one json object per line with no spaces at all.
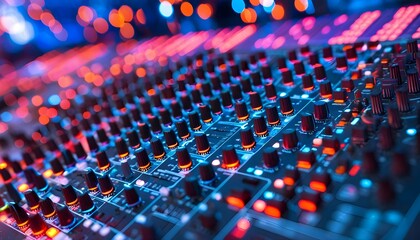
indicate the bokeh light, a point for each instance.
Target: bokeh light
{"x":238,"y":5}
{"x":205,"y":11}
{"x":100,"y":25}
{"x":166,"y":9}
{"x":278,"y":12}
{"x":187,"y":9}
{"x":301,"y":5}
{"x":249,"y":15}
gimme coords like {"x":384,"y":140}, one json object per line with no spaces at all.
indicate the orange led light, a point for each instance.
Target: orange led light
{"x":123,"y":155}
{"x":208,"y":120}
{"x":243,"y":118}
{"x":23,"y":224}
{"x":186,"y":166}
{"x":74,"y":202}
{"x":307,"y":205}
{"x":34,"y":207}
{"x":42,"y":231}
{"x":339,"y":101}
{"x":262,"y":133}
{"x":236,"y":202}
{"x":289,"y":181}
{"x":318,"y":186}
{"x":3,"y":165}
{"x":160,"y":156}
{"x":309,"y":88}
{"x":328,"y":96}
{"x":232,"y":165}
{"x":204,"y":151}
{"x":59,"y":173}
{"x":354,"y":170}
{"x":186,"y":136}
{"x":243,"y":224}
{"x":197,"y":128}
{"x":48,"y":173}
{"x":259,"y":206}
{"x":93,"y":189}
{"x":108,"y":192}
{"x":173,"y":145}
{"x":274,"y":123}
{"x":369,"y":85}
{"x":23,"y":187}
{"x":329,"y":151}
{"x":304,"y":164}
{"x":52,"y":232}
{"x":145,"y":168}
{"x":104,"y":168}
{"x":288,"y":112}
{"x":272,"y":212}
{"x":249,"y":146}
{"x":257,"y":108}
{"x":340,"y":169}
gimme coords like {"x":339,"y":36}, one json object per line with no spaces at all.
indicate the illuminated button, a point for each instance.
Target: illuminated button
{"x":331,"y":146}
{"x":320,"y":181}
{"x":309,"y":201}
{"x":238,"y":198}
{"x":291,"y":176}
{"x":52,"y":232}
{"x":230,"y":158}
{"x":275,"y":208}
{"x":369,"y":83}
{"x":342,"y":166}
{"x":305,"y":160}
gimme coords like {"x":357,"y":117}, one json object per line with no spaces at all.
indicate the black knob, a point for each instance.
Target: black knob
{"x":28,"y":159}
{"x":207,"y":173}
{"x":230,"y":158}
{"x":56,"y":167}
{"x":157,"y":149}
{"x":91,"y":180}
{"x":202,"y":143}
{"x":194,"y":120}
{"x":313,"y":59}
{"x":307,"y":123}
{"x":299,"y":67}
{"x":205,"y":113}
{"x":183,"y":159}
{"x":226,"y":99}
{"x":186,"y":103}
{"x":70,"y":195}
{"x":351,"y":53}
{"x":192,"y":187}
{"x":399,"y":164}
{"x":86,"y":203}
{"x":395,"y":73}
{"x":68,"y":158}
{"x":40,"y":183}
{"x":394,"y":118}
{"x":155,"y":124}
{"x":270,"y":91}
{"x":80,"y":151}
{"x":208,"y":218}
{"x":359,"y":134}
{"x":132,"y":198}
{"x":281,"y":63}
{"x":386,"y":137}
{"x":369,"y":162}
{"x":413,"y":79}
{"x":38,"y":225}
{"x":321,"y":112}
{"x":376,"y":102}
{"x":143,"y":160}
{"x":122,"y":148}
{"x":292,"y":55}
{"x":325,"y":89}
{"x":133,"y":139}
{"x":320,"y":73}
{"x":256,"y":79}
{"x":170,"y":138}
{"x":272,"y":114}
{"x":255,"y":100}
{"x":126,"y":169}
{"x":176,"y":110}
{"x":215,"y":82}
{"x":266,"y":72}
{"x":165,"y":117}
{"x":20,"y":216}
{"x":341,"y":63}
{"x":32,"y":199}
{"x":103,"y":161}
{"x":287,"y":78}
{"x":105,"y":185}
{"x":5,"y":175}
{"x":182,"y":129}
{"x":246,"y":88}
{"x":47,"y":207}
{"x":286,"y":106}
{"x":126,"y":121}
{"x":290,"y":139}
{"x":270,"y":157}
{"x":307,"y":82}
{"x":327,"y":53}
{"x":144,"y":131}
{"x":247,"y":139}
{"x":65,"y":217}
{"x":114,"y":128}
{"x":385,"y":191}
{"x":215,"y":106}
{"x":412,"y":46}
{"x":260,"y":126}
{"x":241,"y":111}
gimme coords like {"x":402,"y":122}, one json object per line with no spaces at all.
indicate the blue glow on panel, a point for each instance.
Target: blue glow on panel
{"x":54,"y":99}
{"x":238,"y":5}
{"x":166,"y":9}
{"x":365,"y":183}
{"x":411,"y":131}
{"x":269,"y":8}
{"x":268,"y":195}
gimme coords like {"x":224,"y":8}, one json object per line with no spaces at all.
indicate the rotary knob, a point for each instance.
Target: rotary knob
{"x":143,"y":160}
{"x":65,"y":217}
{"x":260,"y":126}
{"x":70,"y":195}
{"x":230,"y":158}
{"x":307,"y":123}
{"x":270,"y":157}
{"x":272,"y":114}
{"x":247,"y":139}
{"x":170,"y":139}
{"x":106,"y":185}
{"x":321,"y":112}
{"x":207,"y":173}
{"x":86,"y":203}
{"x":184,"y":159}
{"x":290,"y":139}
{"x":202,"y":143}
{"x":286,"y":106}
{"x":157,"y":149}
{"x":241,"y":111}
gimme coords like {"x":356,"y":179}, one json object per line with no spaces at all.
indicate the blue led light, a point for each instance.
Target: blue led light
{"x":411,"y":131}
{"x":238,"y":5}
{"x":249,"y":170}
{"x":365,"y":183}
{"x":54,"y":99}
{"x":166,"y":9}
{"x":269,"y":8}
{"x":339,"y":131}
{"x":6,"y":117}
{"x":268,"y":195}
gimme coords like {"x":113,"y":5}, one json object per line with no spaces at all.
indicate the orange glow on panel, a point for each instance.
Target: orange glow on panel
{"x":127,"y":31}
{"x":234,"y":201}
{"x":329,"y":151}
{"x":288,"y":181}
{"x":141,"y":72}
{"x":85,"y":13}
{"x":126,"y":12}
{"x":304,"y":164}
{"x":307,"y":205}
{"x":278,"y":12}
{"x":37,"y":100}
{"x":272,"y":212}
{"x":187,"y":9}
{"x":205,"y":11}
{"x":318,"y":186}
{"x":100,"y":25}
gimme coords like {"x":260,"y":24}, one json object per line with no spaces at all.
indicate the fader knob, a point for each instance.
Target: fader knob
{"x":394,"y":118}
{"x":272,"y":115}
{"x":260,"y":126}
{"x":105,"y":185}
{"x":395,"y":73}
{"x":47,"y":208}
{"x":369,"y":162}
{"x":170,"y":138}
{"x":386,"y":137}
{"x":403,"y":102}
{"x":192,"y":187}
{"x":321,"y":112}
{"x":241,"y":111}
{"x":38,"y":225}
{"x":385,"y":191}
{"x":70,"y":195}
{"x":413,"y":80}
{"x":399,"y":163}
{"x":157,"y":149}
{"x":183,"y":159}
{"x":376,"y":102}
{"x":91,"y":180}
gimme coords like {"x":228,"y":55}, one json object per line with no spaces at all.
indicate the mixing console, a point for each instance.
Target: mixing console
{"x":316,"y":142}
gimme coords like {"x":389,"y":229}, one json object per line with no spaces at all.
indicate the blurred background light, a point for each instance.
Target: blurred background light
{"x":166,"y":9}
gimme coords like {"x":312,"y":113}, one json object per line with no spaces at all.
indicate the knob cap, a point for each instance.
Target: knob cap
{"x":157,"y":149}
{"x":182,"y":129}
{"x":205,"y":113}
{"x":65,"y":217}
{"x":20,"y":216}
{"x":215,"y":106}
{"x":47,"y":208}
{"x":270,"y":91}
{"x":202,"y":143}
{"x":56,"y":167}
{"x":122,"y":148}
{"x":91,"y":180}
{"x":287,"y":78}
{"x":132,"y":198}
{"x":226,"y":99}
{"x":376,"y":102}
{"x":207,"y":173}
{"x":106,"y":185}
{"x":155,"y":124}
{"x":307,"y":123}
{"x":32,"y":199}
{"x":320,"y":73}
{"x":103,"y":161}
{"x":394,"y":118}
{"x":413,"y":80}
{"x":93,"y":146}
{"x":270,"y":157}
{"x":247,"y":139}
{"x":194,"y":120}
{"x":86,"y":203}
{"x":70,"y":195}
{"x":327,"y":53}
{"x":144,"y":131}
{"x":143,"y":160}
{"x":38,"y":225}
{"x":341,"y":63}
{"x":126,"y":169}
{"x":241,"y":111}
{"x":230,"y":158}
{"x":260,"y":126}
{"x":255,"y":99}
{"x":208,"y":219}
{"x":286,"y":106}
{"x":272,"y":114}
{"x":321,"y":112}
{"x":68,"y":158}
{"x":307,"y":82}
{"x":133,"y":139}
{"x":165,"y":117}
{"x":80,"y":151}
{"x":299,"y":68}
{"x":176,"y":110}
{"x":325,"y":89}
{"x":192,"y":187}
{"x":290,"y":139}
{"x":170,"y":138}
{"x":184,"y":159}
